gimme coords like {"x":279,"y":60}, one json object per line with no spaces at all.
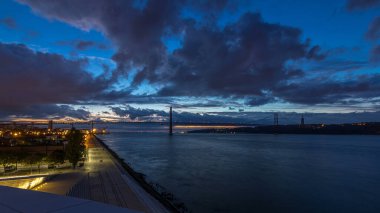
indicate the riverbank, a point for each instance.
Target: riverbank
{"x":310,"y":129}
{"x":164,"y":197}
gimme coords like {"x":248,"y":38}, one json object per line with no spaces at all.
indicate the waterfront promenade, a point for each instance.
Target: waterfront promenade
{"x":103,"y":179}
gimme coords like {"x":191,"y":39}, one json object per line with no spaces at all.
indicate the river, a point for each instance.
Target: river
{"x":256,"y":172}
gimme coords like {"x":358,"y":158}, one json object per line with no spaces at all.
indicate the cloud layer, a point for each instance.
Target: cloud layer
{"x":50,"y":111}
{"x":361,"y":4}
{"x":29,"y":78}
{"x":248,"y":59}
{"x":142,"y":114}
{"x":244,"y":59}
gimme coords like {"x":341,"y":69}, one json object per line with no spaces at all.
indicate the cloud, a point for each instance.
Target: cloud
{"x":247,"y":59}
{"x":82,"y":44}
{"x":260,"y":100}
{"x":321,"y":90}
{"x":8,"y":22}
{"x":249,"y":55}
{"x":137,"y":31}
{"x":266,"y":118}
{"x":30,"y":78}
{"x":375,"y":54}
{"x":142,"y":114}
{"x":46,"y":111}
{"x":374,"y":29}
{"x":361,"y":4}
{"x":373,"y":32}
{"x":338,"y":65}
{"x":133,"y":113}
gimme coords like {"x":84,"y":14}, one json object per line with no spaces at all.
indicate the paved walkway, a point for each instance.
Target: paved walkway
{"x":103,"y":179}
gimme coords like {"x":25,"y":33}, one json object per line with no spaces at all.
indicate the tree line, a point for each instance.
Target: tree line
{"x":73,"y":152}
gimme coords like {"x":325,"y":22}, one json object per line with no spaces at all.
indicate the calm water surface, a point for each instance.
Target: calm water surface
{"x":258,"y":173}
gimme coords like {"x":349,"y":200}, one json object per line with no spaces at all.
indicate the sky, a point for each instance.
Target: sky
{"x":213,"y":61}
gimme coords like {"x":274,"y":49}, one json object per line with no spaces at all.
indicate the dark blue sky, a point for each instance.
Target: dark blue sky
{"x":111,"y":59}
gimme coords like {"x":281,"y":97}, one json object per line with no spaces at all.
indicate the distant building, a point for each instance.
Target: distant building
{"x":50,"y":125}
{"x":302,"y":121}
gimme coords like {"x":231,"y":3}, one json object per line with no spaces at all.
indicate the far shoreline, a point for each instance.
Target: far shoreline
{"x":364,"y":128}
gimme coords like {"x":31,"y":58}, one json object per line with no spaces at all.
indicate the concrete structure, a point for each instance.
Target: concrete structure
{"x":14,"y":200}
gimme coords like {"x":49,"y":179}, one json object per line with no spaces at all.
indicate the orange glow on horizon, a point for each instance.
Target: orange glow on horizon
{"x":206,"y":126}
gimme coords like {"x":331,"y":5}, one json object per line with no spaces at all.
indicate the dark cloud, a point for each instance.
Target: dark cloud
{"x":8,"y":22}
{"x":50,"y":111}
{"x":245,"y":117}
{"x":373,"y":32}
{"x":339,"y":65}
{"x":361,"y":4}
{"x":202,"y":103}
{"x":260,"y":100}
{"x":30,"y":35}
{"x":310,"y":118}
{"x":206,"y":118}
{"x":141,"y":114}
{"x":30,"y":77}
{"x":375,"y":54}
{"x":243,"y":59}
{"x":137,"y":31}
{"x":315,"y":53}
{"x":133,"y":113}
{"x":247,"y":59}
{"x":321,"y":90}
{"x":82,"y":44}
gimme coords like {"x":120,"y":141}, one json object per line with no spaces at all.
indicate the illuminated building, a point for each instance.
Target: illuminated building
{"x":50,"y":125}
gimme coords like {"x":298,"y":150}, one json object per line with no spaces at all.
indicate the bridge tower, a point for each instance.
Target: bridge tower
{"x":50,"y":125}
{"x":171,"y":121}
{"x":275,"y":120}
{"x":302,"y":121}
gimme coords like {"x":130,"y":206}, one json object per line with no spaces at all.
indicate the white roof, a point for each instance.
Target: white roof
{"x":20,"y":200}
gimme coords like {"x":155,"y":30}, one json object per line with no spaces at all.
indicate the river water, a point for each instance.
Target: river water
{"x":256,"y":172}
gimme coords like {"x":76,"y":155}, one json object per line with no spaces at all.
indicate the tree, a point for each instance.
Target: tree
{"x":75,"y":147}
{"x":35,"y":158}
{"x":56,"y":157}
{"x":18,"y":156}
{"x":5,"y":159}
